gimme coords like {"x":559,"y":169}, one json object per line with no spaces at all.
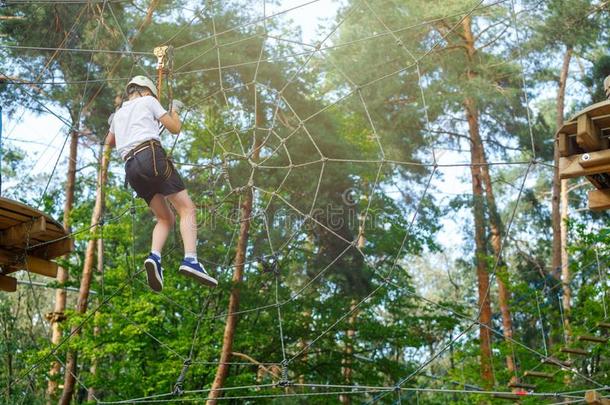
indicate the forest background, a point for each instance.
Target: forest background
{"x":379,"y":201}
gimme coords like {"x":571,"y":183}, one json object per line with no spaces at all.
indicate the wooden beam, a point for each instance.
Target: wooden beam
{"x":599,"y":200}
{"x":19,"y":234}
{"x":13,"y":262}
{"x":53,"y":250}
{"x":593,"y":339}
{"x":587,"y":134}
{"x":556,"y":362}
{"x":574,"y":350}
{"x":539,"y":374}
{"x":8,"y":283}
{"x":41,"y":266}
{"x":585,"y":164}
{"x":519,"y":384}
{"x":563,"y":143}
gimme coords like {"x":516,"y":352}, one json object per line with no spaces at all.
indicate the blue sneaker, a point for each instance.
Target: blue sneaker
{"x":154,"y":272}
{"x":195,"y":270}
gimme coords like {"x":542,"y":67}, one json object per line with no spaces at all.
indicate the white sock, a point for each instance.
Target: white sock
{"x":190,"y":256}
{"x":156,"y":252}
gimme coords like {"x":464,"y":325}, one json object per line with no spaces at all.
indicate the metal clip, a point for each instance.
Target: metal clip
{"x":178,"y":389}
{"x":284,"y":382}
{"x":160,"y":52}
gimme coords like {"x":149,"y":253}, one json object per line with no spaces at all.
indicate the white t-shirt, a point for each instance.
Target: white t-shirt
{"x":135,"y":122}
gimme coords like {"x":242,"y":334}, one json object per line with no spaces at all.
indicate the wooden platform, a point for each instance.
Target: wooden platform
{"x":29,"y":239}
{"x":584,"y":149}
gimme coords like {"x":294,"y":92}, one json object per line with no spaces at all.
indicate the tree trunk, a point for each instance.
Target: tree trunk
{"x":238,"y":274}
{"x":83,"y":295}
{"x":349,"y":351}
{"x":91,"y":391}
{"x":563,"y":192}
{"x":62,"y":273}
{"x":496,"y":229}
{"x":472,"y":116}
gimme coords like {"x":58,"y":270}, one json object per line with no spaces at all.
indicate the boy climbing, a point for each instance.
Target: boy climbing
{"x":134,"y":131}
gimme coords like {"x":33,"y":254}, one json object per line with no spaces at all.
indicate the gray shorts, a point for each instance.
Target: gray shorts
{"x":150,"y":172}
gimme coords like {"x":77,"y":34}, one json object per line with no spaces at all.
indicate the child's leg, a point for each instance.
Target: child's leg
{"x":165,"y":222}
{"x":188,"y":219}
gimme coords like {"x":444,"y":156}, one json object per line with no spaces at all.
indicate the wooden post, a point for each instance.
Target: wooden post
{"x":587,"y":134}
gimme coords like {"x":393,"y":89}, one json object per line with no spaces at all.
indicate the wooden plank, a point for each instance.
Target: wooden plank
{"x":593,"y":339}
{"x":574,"y":350}
{"x":38,"y":266}
{"x":8,"y":283}
{"x":603,"y":325}
{"x":594,"y":163}
{"x":538,"y":374}
{"x":14,"y":262}
{"x":24,"y":232}
{"x":553,"y":361}
{"x":599,"y":200}
{"x":23,"y":213}
{"x":587,"y":134}
{"x":52,"y":250}
{"x":519,"y":384}
{"x":9,"y":218}
{"x":594,"y":110}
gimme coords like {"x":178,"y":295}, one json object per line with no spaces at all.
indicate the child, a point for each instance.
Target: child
{"x":134,"y":130}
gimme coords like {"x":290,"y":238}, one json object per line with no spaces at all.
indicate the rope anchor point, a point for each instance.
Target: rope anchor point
{"x":284,"y":382}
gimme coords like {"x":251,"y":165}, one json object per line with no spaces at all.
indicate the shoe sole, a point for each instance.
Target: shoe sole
{"x":152,"y":276}
{"x":198,"y":276}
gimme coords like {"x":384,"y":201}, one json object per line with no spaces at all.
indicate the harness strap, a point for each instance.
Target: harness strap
{"x":152,"y":144}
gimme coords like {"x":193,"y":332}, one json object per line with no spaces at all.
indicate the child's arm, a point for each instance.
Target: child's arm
{"x":110,"y":140}
{"x":171,"y":121}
